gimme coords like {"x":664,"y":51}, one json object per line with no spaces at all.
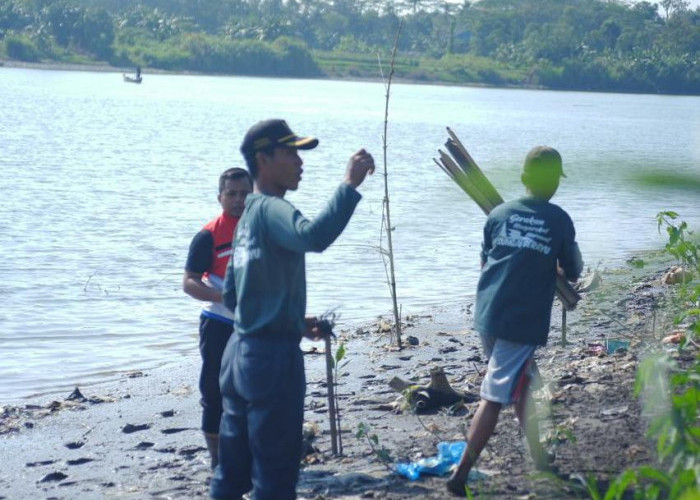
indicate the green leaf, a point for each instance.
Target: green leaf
{"x":652,"y":492}
{"x":636,"y":262}
{"x":655,"y":475}
{"x":340,"y":353}
{"x":384,"y":455}
{"x":592,"y":487}
{"x":662,"y":446}
{"x":618,"y":487}
{"x":361,"y":430}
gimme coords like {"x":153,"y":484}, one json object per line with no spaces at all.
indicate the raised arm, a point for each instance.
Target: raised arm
{"x":291,"y":230}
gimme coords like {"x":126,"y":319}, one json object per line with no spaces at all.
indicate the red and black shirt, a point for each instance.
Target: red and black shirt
{"x":209,"y":254}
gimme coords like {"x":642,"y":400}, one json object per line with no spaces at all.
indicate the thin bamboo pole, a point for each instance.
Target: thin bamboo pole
{"x":332,"y":416}
{"x":466,"y":183}
{"x":488,"y":188}
{"x":392,"y":281}
{"x":339,"y":432}
{"x":563,"y":326}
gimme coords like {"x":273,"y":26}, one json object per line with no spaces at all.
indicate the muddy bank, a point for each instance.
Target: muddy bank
{"x":138,"y":438}
{"x":87,"y":66}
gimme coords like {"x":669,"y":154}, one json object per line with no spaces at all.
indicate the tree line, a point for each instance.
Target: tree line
{"x":611,"y":45}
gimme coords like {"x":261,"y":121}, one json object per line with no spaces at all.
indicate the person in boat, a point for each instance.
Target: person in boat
{"x":138,"y":72}
{"x":262,"y":374}
{"x":526,"y":243}
{"x":203,"y":280}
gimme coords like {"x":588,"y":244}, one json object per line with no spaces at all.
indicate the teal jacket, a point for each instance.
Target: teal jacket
{"x":523,"y":241}
{"x":265,"y":280}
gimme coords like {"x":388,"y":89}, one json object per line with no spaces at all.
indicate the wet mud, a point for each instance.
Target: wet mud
{"x":139,"y":438}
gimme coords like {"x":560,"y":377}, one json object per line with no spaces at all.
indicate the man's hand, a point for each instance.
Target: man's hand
{"x":562,"y":273}
{"x":313,"y":332}
{"x":193,"y":286}
{"x":360,"y":164}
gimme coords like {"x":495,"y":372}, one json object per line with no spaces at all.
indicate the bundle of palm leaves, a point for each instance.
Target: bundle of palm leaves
{"x":462,"y":169}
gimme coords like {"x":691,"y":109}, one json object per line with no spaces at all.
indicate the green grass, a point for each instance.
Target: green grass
{"x":454,"y":69}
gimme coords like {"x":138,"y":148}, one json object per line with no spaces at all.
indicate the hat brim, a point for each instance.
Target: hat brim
{"x":301,"y":142}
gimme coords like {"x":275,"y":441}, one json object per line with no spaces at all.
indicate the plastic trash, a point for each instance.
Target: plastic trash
{"x":597,"y":349}
{"x":613,"y":345}
{"x":449,"y":454}
{"x":676,"y":337}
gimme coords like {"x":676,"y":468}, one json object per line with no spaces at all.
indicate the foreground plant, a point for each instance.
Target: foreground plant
{"x":386,"y":212}
{"x":679,"y":244}
{"x":672,"y":396}
{"x":326,"y":324}
{"x":383,"y":454}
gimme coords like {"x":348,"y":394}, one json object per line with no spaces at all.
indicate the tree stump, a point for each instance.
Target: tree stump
{"x":437,"y":394}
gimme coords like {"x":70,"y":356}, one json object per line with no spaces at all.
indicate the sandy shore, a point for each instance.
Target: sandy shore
{"x":138,"y":437}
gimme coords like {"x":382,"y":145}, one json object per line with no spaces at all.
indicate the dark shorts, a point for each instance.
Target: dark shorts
{"x":213,"y":337}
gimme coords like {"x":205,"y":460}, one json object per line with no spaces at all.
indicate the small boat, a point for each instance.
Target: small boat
{"x":132,"y":79}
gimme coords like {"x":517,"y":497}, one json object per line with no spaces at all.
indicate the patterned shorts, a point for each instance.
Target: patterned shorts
{"x":511,"y":370}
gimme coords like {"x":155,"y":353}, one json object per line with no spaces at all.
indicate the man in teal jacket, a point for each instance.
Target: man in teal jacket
{"x":262,"y":374}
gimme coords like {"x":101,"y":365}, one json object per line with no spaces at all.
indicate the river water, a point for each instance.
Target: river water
{"x":104,"y":184}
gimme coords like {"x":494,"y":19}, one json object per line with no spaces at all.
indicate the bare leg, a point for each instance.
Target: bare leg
{"x":212,"y":441}
{"x":480,"y":430}
{"x":525,"y":411}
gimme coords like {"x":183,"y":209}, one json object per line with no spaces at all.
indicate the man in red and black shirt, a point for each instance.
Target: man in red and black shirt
{"x":205,"y":269}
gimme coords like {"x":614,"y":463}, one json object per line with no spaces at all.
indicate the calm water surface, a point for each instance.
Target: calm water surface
{"x":104,"y":184}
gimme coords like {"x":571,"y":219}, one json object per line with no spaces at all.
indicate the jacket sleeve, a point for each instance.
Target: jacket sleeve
{"x":570,"y":258}
{"x":289,"y":229}
{"x":486,"y":243}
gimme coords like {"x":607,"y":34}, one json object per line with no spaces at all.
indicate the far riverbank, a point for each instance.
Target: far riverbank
{"x":332,"y":72}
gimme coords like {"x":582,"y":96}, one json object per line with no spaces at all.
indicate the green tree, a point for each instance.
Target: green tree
{"x":671,"y":7}
{"x":62,"y":21}
{"x":13,"y":16}
{"x":20,"y":47}
{"x":96,"y":33}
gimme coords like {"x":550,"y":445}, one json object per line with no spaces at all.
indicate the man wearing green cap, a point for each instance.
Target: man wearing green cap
{"x":262,"y":374}
{"x":526,"y":242}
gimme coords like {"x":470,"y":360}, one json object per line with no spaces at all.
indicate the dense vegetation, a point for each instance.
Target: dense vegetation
{"x":670,"y":386}
{"x":613,"y":45}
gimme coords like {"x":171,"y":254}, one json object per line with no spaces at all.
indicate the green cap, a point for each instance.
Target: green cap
{"x":543,"y":160}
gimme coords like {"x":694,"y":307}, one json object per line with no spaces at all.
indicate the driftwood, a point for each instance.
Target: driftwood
{"x":437,"y":394}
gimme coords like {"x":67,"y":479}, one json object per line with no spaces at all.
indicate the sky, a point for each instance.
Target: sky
{"x":693,"y":3}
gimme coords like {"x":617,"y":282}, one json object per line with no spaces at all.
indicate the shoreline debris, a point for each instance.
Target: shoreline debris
{"x":438,"y":393}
